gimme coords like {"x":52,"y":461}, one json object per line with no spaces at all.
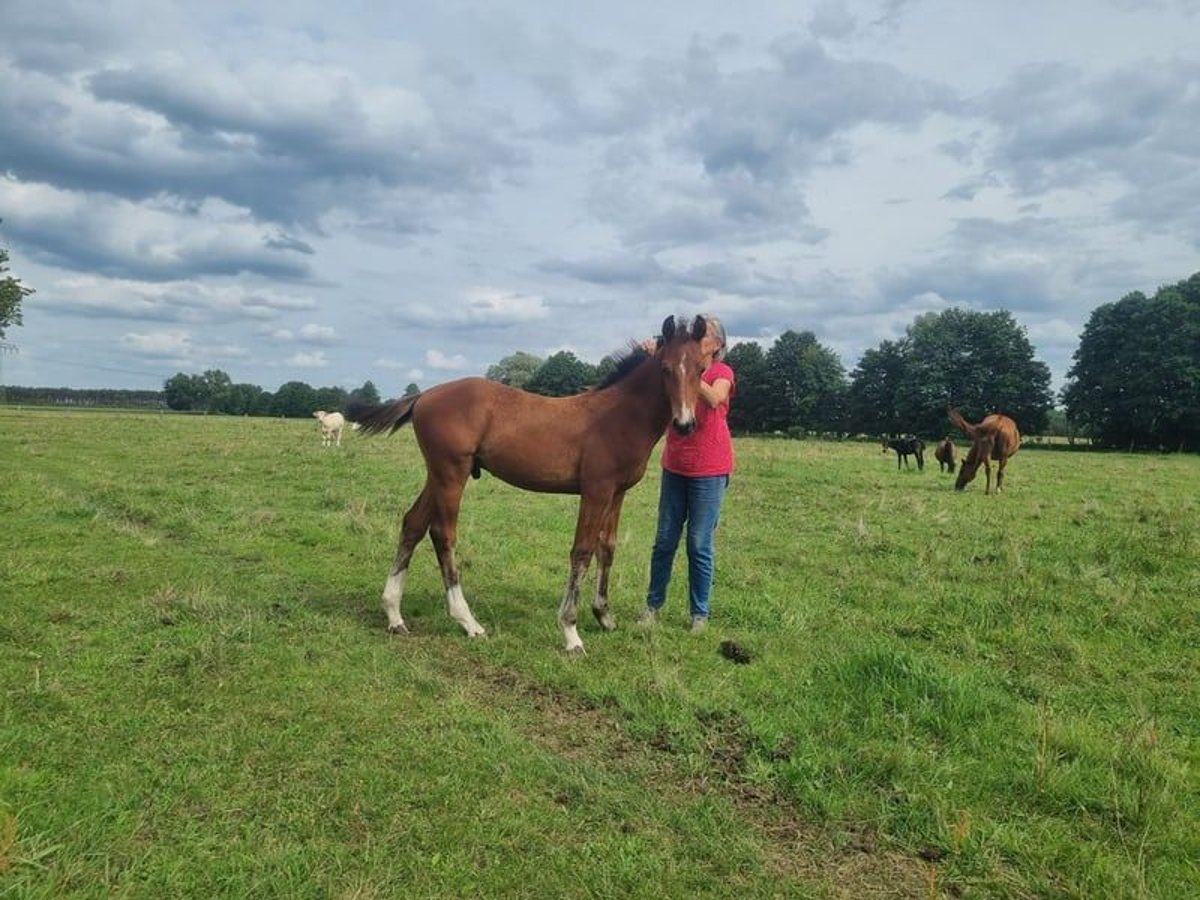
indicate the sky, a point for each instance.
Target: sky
{"x":409,"y":192}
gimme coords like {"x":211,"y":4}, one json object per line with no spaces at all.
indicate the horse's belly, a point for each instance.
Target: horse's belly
{"x":546,"y":479}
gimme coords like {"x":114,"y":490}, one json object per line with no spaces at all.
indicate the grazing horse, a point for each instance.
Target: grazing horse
{"x":595,"y":444}
{"x":944,"y":454}
{"x":906,"y":447}
{"x":331,"y":424}
{"x":996,"y":437}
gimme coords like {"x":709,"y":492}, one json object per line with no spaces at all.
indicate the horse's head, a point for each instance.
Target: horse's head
{"x":884,"y":444}
{"x":967,"y":470}
{"x":683,"y":358}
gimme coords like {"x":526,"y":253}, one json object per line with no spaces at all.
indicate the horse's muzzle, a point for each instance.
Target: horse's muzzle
{"x":683,"y":429}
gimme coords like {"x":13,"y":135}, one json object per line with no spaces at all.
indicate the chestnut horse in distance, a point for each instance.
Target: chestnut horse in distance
{"x":996,"y":437}
{"x":944,"y":454}
{"x":595,"y":444}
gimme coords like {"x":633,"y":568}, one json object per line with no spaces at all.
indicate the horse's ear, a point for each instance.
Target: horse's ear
{"x":699,"y":328}
{"x":668,"y":328}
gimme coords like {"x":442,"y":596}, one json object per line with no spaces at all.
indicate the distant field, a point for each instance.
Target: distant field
{"x":950,"y":694}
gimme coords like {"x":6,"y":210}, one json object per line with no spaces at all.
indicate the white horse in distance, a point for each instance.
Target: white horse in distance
{"x":331,"y":425}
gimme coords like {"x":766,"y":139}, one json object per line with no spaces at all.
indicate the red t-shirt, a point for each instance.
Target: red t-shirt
{"x":708,"y":450}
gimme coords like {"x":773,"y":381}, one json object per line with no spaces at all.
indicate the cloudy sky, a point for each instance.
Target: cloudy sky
{"x":411,"y":191}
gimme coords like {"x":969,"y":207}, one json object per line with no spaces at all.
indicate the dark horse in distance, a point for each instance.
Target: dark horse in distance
{"x":906,"y":447}
{"x":595,"y":444}
{"x":995,"y":438}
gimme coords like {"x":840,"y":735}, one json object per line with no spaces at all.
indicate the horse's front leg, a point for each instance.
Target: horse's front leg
{"x":606,"y":549}
{"x":587,"y":530}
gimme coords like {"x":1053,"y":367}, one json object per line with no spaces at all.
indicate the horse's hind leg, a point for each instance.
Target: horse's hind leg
{"x":1000,"y":474}
{"x":444,"y":532}
{"x":416,"y":523}
{"x":605,"y":551}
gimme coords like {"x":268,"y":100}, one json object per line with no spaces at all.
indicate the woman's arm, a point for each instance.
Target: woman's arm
{"x":716,"y":393}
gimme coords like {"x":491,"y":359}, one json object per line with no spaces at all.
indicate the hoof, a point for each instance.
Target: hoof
{"x":398,"y":628}
{"x":474,"y":635}
{"x":576,"y":652}
{"x":607,"y":622}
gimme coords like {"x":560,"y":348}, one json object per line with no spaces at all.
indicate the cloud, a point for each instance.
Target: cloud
{"x":831,"y":20}
{"x":190,"y":302}
{"x":148,"y":241}
{"x":159,"y":344}
{"x":441,"y":362}
{"x":1132,"y":129}
{"x":314,"y":360}
{"x":196,"y":126}
{"x":318,"y":334}
{"x":479,"y":307}
{"x":719,"y":154}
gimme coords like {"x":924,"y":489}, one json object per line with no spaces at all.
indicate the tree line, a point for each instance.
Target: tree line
{"x":214,"y":391}
{"x":1134,"y":382}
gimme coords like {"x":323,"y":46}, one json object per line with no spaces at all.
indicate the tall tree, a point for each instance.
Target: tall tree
{"x":368,"y":393}
{"x":185,"y":392}
{"x":294,"y":400}
{"x":240,"y":400}
{"x":515,"y":370}
{"x":12,"y":292}
{"x":979,"y":362}
{"x":807,"y":382}
{"x":1135,"y":381}
{"x":874,"y":387}
{"x":330,"y":399}
{"x":411,"y":389}
{"x":749,"y":412}
{"x":560,"y":375}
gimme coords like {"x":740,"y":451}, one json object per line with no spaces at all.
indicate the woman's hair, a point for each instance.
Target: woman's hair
{"x":720,"y":330}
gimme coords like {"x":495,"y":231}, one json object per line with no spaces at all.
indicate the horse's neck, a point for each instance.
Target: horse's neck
{"x":646,"y":397}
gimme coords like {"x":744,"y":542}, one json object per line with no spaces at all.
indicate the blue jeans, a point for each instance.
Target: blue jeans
{"x":696,"y":501}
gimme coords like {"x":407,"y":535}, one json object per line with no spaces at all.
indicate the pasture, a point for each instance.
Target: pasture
{"x":949,"y":694}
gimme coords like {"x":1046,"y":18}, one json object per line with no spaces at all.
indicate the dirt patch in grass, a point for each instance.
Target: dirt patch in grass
{"x":584,"y":730}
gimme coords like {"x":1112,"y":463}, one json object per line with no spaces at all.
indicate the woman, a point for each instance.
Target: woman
{"x":696,"y":471}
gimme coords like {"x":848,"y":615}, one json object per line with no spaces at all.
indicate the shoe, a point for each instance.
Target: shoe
{"x":699,"y":623}
{"x":649,"y":616}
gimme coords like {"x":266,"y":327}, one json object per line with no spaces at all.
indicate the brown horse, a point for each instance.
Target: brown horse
{"x":996,"y":437}
{"x":595,"y":444}
{"x":944,"y":454}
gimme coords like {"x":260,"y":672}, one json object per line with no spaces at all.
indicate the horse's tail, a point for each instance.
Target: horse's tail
{"x":959,"y":422}
{"x":373,"y":418}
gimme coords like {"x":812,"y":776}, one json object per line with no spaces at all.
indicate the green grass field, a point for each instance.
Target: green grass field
{"x":950,"y":694}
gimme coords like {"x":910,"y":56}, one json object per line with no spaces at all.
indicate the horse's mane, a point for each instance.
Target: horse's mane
{"x":626,"y":361}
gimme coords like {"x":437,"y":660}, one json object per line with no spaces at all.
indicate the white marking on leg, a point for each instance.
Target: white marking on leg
{"x":393,"y":592}
{"x":456,"y":603}
{"x":574,"y":644}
